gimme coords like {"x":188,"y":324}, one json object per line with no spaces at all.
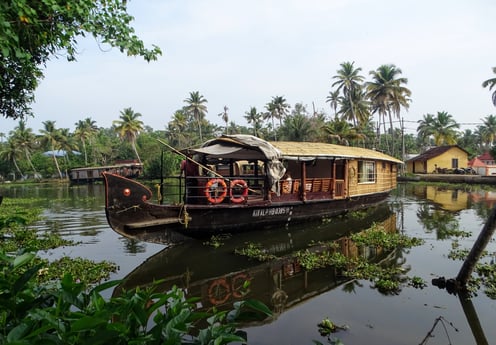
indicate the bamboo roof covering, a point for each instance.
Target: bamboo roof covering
{"x":310,"y":150}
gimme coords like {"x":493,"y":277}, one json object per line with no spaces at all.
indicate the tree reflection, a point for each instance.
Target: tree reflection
{"x":444,"y":223}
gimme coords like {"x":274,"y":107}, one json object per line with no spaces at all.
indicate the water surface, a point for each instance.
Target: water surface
{"x":302,"y":299}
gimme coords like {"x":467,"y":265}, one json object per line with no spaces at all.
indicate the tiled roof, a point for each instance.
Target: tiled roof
{"x":434,"y":152}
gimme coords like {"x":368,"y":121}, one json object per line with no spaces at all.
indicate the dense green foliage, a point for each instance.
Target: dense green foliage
{"x":353,"y":101}
{"x":66,"y":312}
{"x":32,"y":32}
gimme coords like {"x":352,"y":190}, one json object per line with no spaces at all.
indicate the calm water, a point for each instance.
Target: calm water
{"x":301,"y":300}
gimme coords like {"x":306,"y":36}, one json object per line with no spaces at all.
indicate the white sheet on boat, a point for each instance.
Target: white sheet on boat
{"x":247,"y":147}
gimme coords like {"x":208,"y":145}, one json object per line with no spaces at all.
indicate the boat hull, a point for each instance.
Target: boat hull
{"x":130,"y":213}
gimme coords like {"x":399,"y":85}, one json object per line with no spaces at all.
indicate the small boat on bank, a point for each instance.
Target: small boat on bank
{"x":87,"y":175}
{"x":241,"y":182}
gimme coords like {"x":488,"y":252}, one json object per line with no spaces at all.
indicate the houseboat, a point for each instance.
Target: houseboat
{"x":240,"y":182}
{"x":130,"y":169}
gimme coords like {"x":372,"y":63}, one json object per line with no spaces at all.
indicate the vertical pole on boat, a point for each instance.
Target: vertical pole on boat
{"x":161,"y":177}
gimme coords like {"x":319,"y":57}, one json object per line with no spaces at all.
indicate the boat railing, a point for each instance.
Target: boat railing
{"x":216,"y":190}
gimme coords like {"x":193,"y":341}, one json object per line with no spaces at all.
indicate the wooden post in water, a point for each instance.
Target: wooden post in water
{"x":476,"y":252}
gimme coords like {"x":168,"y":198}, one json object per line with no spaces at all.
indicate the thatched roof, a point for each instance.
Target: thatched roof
{"x":311,"y":150}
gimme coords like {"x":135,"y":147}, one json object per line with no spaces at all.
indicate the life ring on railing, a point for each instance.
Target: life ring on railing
{"x":218,"y":292}
{"x":238,"y":198}
{"x":215,"y":190}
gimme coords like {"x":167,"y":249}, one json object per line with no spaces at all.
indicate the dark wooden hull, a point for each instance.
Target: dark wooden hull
{"x":130,"y":213}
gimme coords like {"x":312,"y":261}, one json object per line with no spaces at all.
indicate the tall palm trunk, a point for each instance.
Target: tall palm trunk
{"x":391,"y":152}
{"x":133,"y":144}
{"x":56,"y":163}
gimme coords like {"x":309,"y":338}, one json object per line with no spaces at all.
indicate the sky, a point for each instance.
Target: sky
{"x":241,"y":54}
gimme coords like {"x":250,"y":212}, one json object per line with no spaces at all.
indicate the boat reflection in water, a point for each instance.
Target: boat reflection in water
{"x":217,"y":275}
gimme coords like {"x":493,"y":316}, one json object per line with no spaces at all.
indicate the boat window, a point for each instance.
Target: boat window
{"x":366,"y":171}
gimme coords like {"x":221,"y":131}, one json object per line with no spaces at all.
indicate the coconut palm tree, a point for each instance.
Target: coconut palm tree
{"x":85,"y":130}
{"x":177,"y":129}
{"x":50,"y":137}
{"x":357,"y":111}
{"x":254,"y":117}
{"x":442,"y":128}
{"x":129,"y":127}
{"x":277,"y":108}
{"x":11,"y":152}
{"x":348,"y":81}
{"x":225,"y":117}
{"x":490,"y":83}
{"x":25,"y":139}
{"x":388,"y":95}
{"x":333,"y":100}
{"x":488,"y":130}
{"x":296,"y":127}
{"x":197,"y":108}
{"x":340,"y":131}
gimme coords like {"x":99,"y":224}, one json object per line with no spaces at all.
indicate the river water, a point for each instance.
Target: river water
{"x":300,"y":299}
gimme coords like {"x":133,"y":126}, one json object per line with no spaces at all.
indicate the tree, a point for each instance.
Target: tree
{"x":296,"y":127}
{"x":488,"y":130}
{"x":225,"y":117}
{"x":490,"y":83}
{"x":388,"y":95}
{"x":31,"y":32}
{"x":24,"y":138}
{"x":253,"y":117}
{"x":85,"y":130}
{"x":277,"y":108}
{"x":128,"y":128}
{"x":333,"y":100}
{"x":348,"y":81}
{"x":50,"y":137}
{"x":197,"y":108}
{"x":177,"y":127}
{"x":11,"y":152}
{"x":442,"y":128}
{"x":340,"y":131}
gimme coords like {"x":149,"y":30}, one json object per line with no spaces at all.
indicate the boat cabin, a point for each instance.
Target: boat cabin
{"x":241,"y":169}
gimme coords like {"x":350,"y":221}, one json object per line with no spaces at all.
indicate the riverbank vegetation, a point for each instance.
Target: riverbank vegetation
{"x":354,"y":102}
{"x":61,"y":302}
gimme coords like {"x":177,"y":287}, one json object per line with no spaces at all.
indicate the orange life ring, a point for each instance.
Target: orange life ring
{"x":238,"y":199}
{"x":215,"y":190}
{"x":218,"y":292}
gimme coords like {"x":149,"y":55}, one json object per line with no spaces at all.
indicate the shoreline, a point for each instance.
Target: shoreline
{"x":449,"y":178}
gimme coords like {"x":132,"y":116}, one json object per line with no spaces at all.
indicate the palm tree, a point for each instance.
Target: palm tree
{"x":388,"y":95}
{"x":276,"y":108}
{"x":488,"y":130}
{"x":25,"y":139}
{"x":333,"y":100}
{"x":51,"y":138}
{"x":10,"y":153}
{"x":196,"y":106}
{"x":442,"y":128}
{"x":491,"y":83}
{"x":177,"y":129}
{"x":357,"y":111}
{"x":254,"y":117}
{"x":296,"y":127}
{"x":348,"y":81}
{"x":129,"y":127}
{"x":225,"y":117}
{"x":85,"y":130}
{"x":340,"y":131}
